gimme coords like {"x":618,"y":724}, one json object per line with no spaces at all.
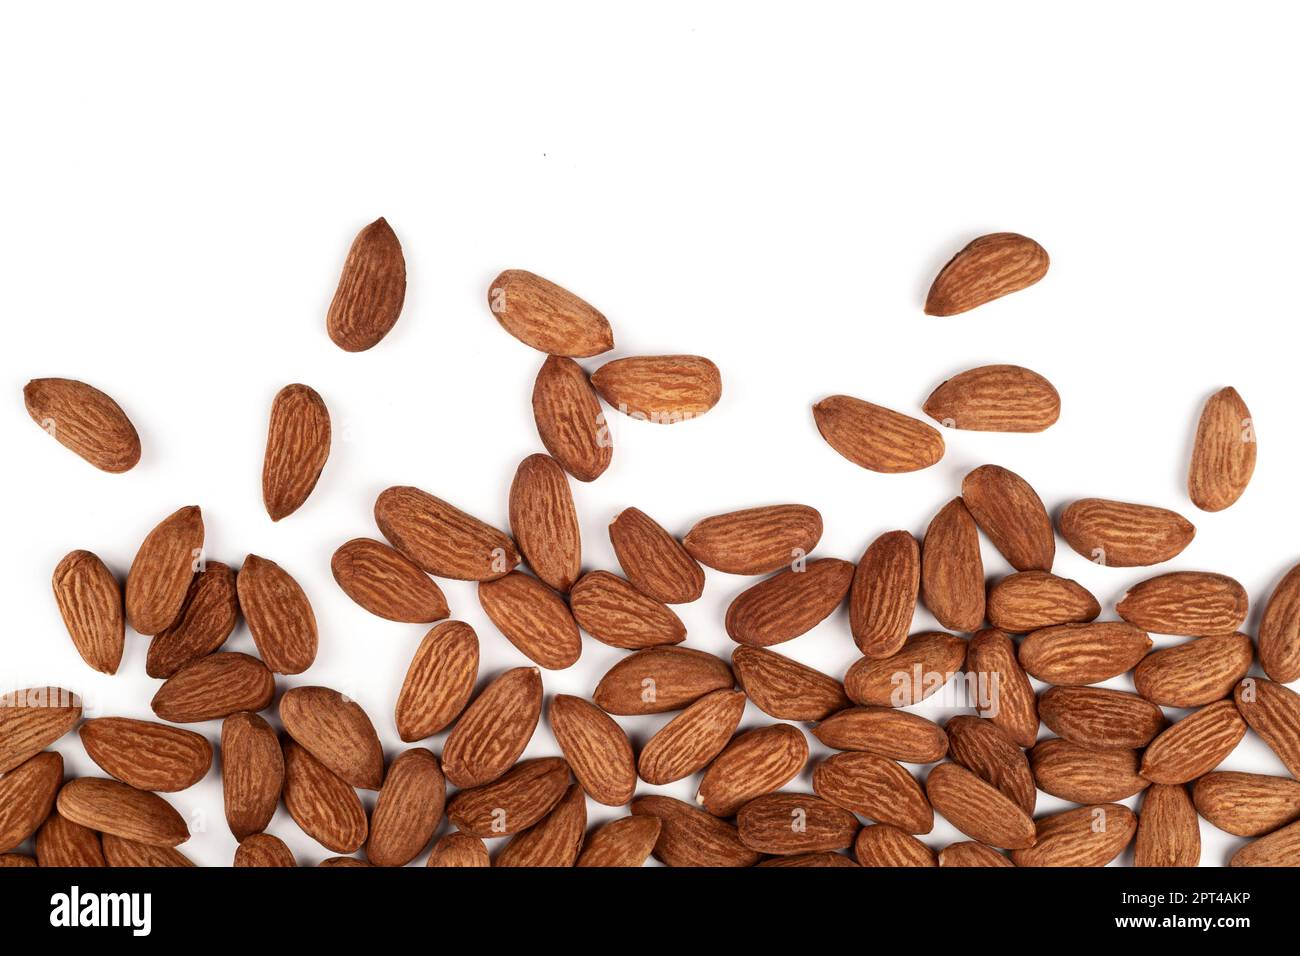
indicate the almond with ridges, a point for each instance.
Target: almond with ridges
{"x":440,"y":538}
{"x":881,"y":845}
{"x":569,"y":419}
{"x":438,"y":682}
{"x":985,"y":750}
{"x":459,"y":849}
{"x":33,"y":718}
{"x":1032,"y":600}
{"x":1223,"y":455}
{"x":372,"y":287}
{"x":387,"y":583}
{"x":659,"y":388}
{"x":555,"y":840}
{"x":627,"y":841}
{"x":533,"y":618}
{"x":120,"y":852}
{"x":874,"y":787}
{"x":84,"y":420}
{"x":1083,"y":653}
{"x":1168,"y":832}
{"x":1194,"y":745}
{"x":1279,"y":631}
{"x":1005,"y":695}
{"x":161,"y":573}
{"x":882,"y":600}
{"x":877,"y":438}
{"x":1084,"y":774}
{"x":208,"y":618}
{"x":690,"y":837}
{"x":408,"y":810}
{"x":494,"y":730}
{"x":336,"y":731}
{"x":786,"y":689}
{"x":985,"y":269}
{"x":820,"y":860}
{"x":995,"y":398}
{"x":1194,"y":673}
{"x":252,"y":773}
{"x":755,"y":540}
{"x":326,"y":808}
{"x":27,"y":793}
{"x":612,"y":611}
{"x":278,"y":614}
{"x":512,"y":803}
{"x":1010,"y":512}
{"x":90,"y":602}
{"x":926,"y":662}
{"x":660,"y":679}
{"x":1123,"y":535}
{"x":688,"y":742}
{"x":1100,"y":718}
{"x":788,"y":604}
{"x":543,"y":315}
{"x":1273,"y":711}
{"x":544,"y":521}
{"x":147,"y":755}
{"x":263,"y":851}
{"x":1188,"y":603}
{"x":215,"y":686}
{"x":891,"y":733}
{"x":1085,"y":836}
{"x":952,"y":571}
{"x":977,"y":808}
{"x":768,"y":824}
{"x":596,"y":748}
{"x":297,"y":447}
{"x":17,"y":860}
{"x":1247,"y":804}
{"x":1280,"y":848}
{"x":653,"y":560}
{"x":971,"y":854}
{"x":756,"y":762}
{"x":60,"y":842}
{"x":113,"y":807}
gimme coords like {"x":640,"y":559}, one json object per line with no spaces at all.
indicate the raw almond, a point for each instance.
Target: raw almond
{"x":756,"y":762}
{"x":627,"y":841}
{"x":1085,"y":836}
{"x":1247,"y":804}
{"x":337,"y":732}
{"x":533,"y":618}
{"x":1188,"y":603}
{"x":326,"y":808}
{"x":985,"y":269}
{"x":147,"y":755}
{"x":786,"y":689}
{"x":550,"y":319}
{"x":545,"y":523}
{"x":297,"y":447}
{"x":112,"y":807}
{"x":882,"y":600}
{"x":1279,"y":631}
{"x":971,"y":854}
{"x":90,"y":601}
{"x":494,"y":730}
{"x":925,"y":664}
{"x":756,"y":540}
{"x":877,"y":438}
{"x":279,"y":616}
{"x":128,"y":853}
{"x":1032,"y":600}
{"x":1281,"y":848}
{"x":514,"y":802}
{"x":891,"y":733}
{"x":1083,"y":653}
{"x":1100,"y":718}
{"x":207,"y":619}
{"x":1010,"y":512}
{"x":881,"y":845}
{"x":83,"y":419}
{"x":788,"y":823}
{"x":60,"y":842}
{"x":263,"y":851}
{"x":569,"y":419}
{"x":17,"y":860}
{"x":688,"y":742}
{"x":371,"y":289}
{"x":459,"y":849}
{"x":874,"y":787}
{"x":442,"y":539}
{"x":1223,"y":456}
{"x":1194,"y":673}
{"x":1272,"y":711}
{"x":660,"y":679}
{"x":439,"y":681}
{"x":1004,"y":694}
{"x":1194,"y":745}
{"x":596,"y":749}
{"x":612,"y":611}
{"x":820,"y":860}
{"x":788,"y":604}
{"x":387,"y":583}
{"x":690,"y":837}
{"x":33,"y":718}
{"x":213,"y":687}
{"x":408,"y":810}
{"x":995,"y":398}
{"x":660,"y":388}
{"x":252,"y":773}
{"x":1085,"y":775}
{"x":952,"y":571}
{"x":978,"y":809}
{"x":161,"y":573}
{"x":343,"y":861}
{"x":1124,"y":535}
{"x":27,"y":793}
{"x":985,"y":750}
{"x":555,"y":840}
{"x":1168,"y":832}
{"x":653,"y":560}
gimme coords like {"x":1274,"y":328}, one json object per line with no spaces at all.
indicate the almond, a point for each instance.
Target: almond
{"x":985,"y":750}
{"x":459,"y":849}
{"x":408,"y":810}
{"x":297,"y":447}
{"x":90,"y":601}
{"x":569,"y":419}
{"x":208,"y":618}
{"x":343,"y":861}
{"x":128,"y":853}
{"x":756,"y":540}
{"x":160,"y":575}
{"x":653,"y":560}
{"x":213,"y":687}
{"x":995,"y":398}
{"x":690,"y":837}
{"x":756,"y":762}
{"x":1195,"y":673}
{"x":985,"y":269}
{"x":596,"y":749}
{"x":555,"y":840}
{"x":1032,"y":600}
{"x":1084,"y":775}
{"x":1010,"y":512}
{"x":548,"y":318}
{"x":1247,"y":804}
{"x":1194,"y":745}
{"x":612,"y":611}
{"x":1083,"y":653}
{"x":33,"y":718}
{"x":820,"y":860}
{"x":952,"y":571}
{"x":60,"y":842}
{"x":533,"y":618}
{"x":883,"y":597}
{"x":788,"y":604}
{"x":27,"y":793}
{"x":925,"y":664}
{"x":1085,"y":836}
{"x":1124,"y":535}
{"x":971,"y":854}
{"x":112,"y":807}
{"x":252,"y":773}
{"x":494,"y":730}
{"x":17,"y":860}
{"x":978,"y":809}
{"x":877,"y":438}
{"x":627,"y":841}
{"x":545,"y":523}
{"x":660,"y":679}
{"x":659,"y":388}
{"x":147,"y":755}
{"x":83,"y":419}
{"x":337,"y":732}
{"x":387,"y":583}
{"x":1279,"y":631}
{"x":279,"y":616}
{"x":883,"y":845}
{"x":1281,"y":848}
{"x":786,"y":689}
{"x":1168,"y":832}
{"x":321,"y":803}
{"x":1272,"y":711}
{"x":512,"y":803}
{"x":1004,"y":694}
{"x":688,"y":742}
{"x":371,"y":289}
{"x":439,"y":681}
{"x":261,"y":850}
{"x":874,"y":787}
{"x":441,"y":539}
{"x":1188,"y":603}
{"x":882,"y":730}
{"x":1100,"y":718}
{"x":788,"y":823}
{"x":1223,"y":456}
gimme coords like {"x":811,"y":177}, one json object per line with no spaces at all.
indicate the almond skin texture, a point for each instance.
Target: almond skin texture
{"x":660,"y":679}
{"x":17,"y":860}
{"x":90,"y":601}
{"x":337,"y":732}
{"x":84,"y":420}
{"x":1223,"y":456}
{"x":208,"y":618}
{"x":756,"y":762}
{"x":1281,"y":848}
{"x":653,"y":560}
{"x":555,"y":840}
{"x":1273,"y":712}
{"x":160,"y":575}
{"x":1168,"y":833}
{"x":926,"y":662}
{"x":1010,"y":512}
{"x":1195,"y":673}
{"x":659,"y":388}
{"x":985,"y":750}
{"x":877,"y":438}
{"x":439,"y":681}
{"x":533,"y":618}
{"x":818,"y":860}
{"x":971,"y":854}
{"x":545,"y":523}
{"x":1085,"y":836}
{"x":548,"y":318}
{"x":1100,"y":718}
{"x":1036,"y":599}
{"x":952,"y":571}
{"x":213,"y":687}
{"x":612,"y":611}
{"x":1083,"y":653}
{"x":513,"y":803}
{"x":386,"y":583}
{"x":297,"y":447}
{"x":408,"y":810}
{"x":27,"y":793}
{"x":112,"y":807}
{"x":371,"y":289}
{"x":33,"y":718}
{"x":252,"y":773}
{"x":995,"y":398}
{"x":1247,"y":804}
{"x":459,"y":849}
{"x":987,"y":268}
{"x":1279,"y":631}
{"x":569,"y":419}
{"x":326,"y":808}
{"x":788,"y":823}
{"x":1123,"y":535}
{"x":874,"y":787}
{"x":881,"y":845}
{"x":788,"y":604}
{"x":442,"y":539}
{"x":128,"y":853}
{"x":627,"y":841}
{"x":147,"y":755}
{"x":978,"y":809}
{"x":60,"y":842}
{"x":596,"y":749}
{"x":891,"y":733}
{"x":264,"y":851}
{"x":279,"y":616}
{"x":494,"y":730}
{"x":1084,"y":775}
{"x":1187,"y":603}
{"x":786,"y":689}
{"x":690,"y":837}
{"x":756,"y":540}
{"x":1006,"y":696}
{"x":883,"y":596}
{"x":688,"y":742}
{"x":1194,"y":745}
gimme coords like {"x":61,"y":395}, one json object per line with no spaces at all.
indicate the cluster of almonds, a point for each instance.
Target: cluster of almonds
{"x":1109,"y":745}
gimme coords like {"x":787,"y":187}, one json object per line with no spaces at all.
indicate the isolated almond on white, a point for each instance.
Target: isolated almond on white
{"x":659,"y":388}
{"x":995,"y":398}
{"x":371,"y":289}
{"x":83,"y":419}
{"x":987,"y":268}
{"x":297,"y":447}
{"x":90,"y":601}
{"x":1223,"y":457}
{"x":550,"y":319}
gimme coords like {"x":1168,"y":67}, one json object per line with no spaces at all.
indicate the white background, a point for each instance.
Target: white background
{"x":771,"y":186}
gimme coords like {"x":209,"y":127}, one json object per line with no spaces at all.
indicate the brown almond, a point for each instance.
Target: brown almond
{"x":1168,"y":832}
{"x":279,"y":616}
{"x":161,"y":573}
{"x":1085,"y":836}
{"x":1272,"y":711}
{"x":1247,"y":804}
{"x":1004,"y":693}
{"x":985,"y":750}
{"x":27,"y":793}
{"x":297,"y":447}
{"x":208,"y":618}
{"x":755,"y":540}
{"x":881,"y":845}
{"x":788,"y":604}
{"x":788,"y":823}
{"x":544,"y":521}
{"x":612,"y":611}
{"x":512,"y":803}
{"x":252,"y":773}
{"x":627,"y":841}
{"x":1187,"y":603}
{"x":1194,"y":673}
{"x":90,"y":602}
{"x":690,"y":837}
{"x":371,"y":289}
{"x":995,"y":398}
{"x":660,"y":679}
{"x":1279,"y":631}
{"x":786,"y":689}
{"x":688,"y":742}
{"x":756,"y":762}
{"x":533,"y":618}
{"x":120,"y":852}
{"x":459,"y":850}
{"x":659,"y":388}
{"x":985,"y":269}
{"x":596,"y":749}
{"x":33,"y":718}
{"x":494,"y":730}
{"x":326,"y":808}
{"x":1084,"y":774}
{"x":1123,"y":535}
{"x":569,"y":419}
{"x":263,"y":851}
{"x":818,"y":860}
{"x":952,"y":571}
{"x":147,"y":755}
{"x":387,"y":583}
{"x":925,"y":664}
{"x":343,"y":861}
{"x":543,"y":315}
{"x":408,"y":810}
{"x":971,"y":854}
{"x":442,"y":539}
{"x":978,"y":809}
{"x":60,"y":842}
{"x":1100,"y":718}
{"x":113,"y":807}
{"x":1032,"y":600}
{"x":882,"y":600}
{"x":337,"y":732}
{"x":1194,"y":745}
{"x":1223,"y":456}
{"x":213,"y":687}
{"x":891,"y":733}
{"x":1083,"y":653}
{"x":1010,"y":512}
{"x":17,"y":860}
{"x":555,"y":840}
{"x":1281,"y":848}
{"x":653,"y":560}
{"x":877,"y":438}
{"x":84,"y":420}
{"x":439,"y":681}
{"x":874,"y":787}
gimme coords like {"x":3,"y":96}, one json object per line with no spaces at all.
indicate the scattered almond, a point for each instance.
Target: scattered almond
{"x":459,"y":849}
{"x":1194,"y":745}
{"x":84,"y":420}
{"x":653,"y":560}
{"x":1010,"y":512}
{"x":1279,"y":631}
{"x":690,"y":741}
{"x":1032,"y":600}
{"x":533,"y":618}
{"x":1124,"y":535}
{"x":297,"y":447}
{"x":883,"y":845}
{"x":874,"y":787}
{"x":337,"y":732}
{"x":659,"y":388}
{"x":1168,"y":832}
{"x":1084,"y":774}
{"x":596,"y":748}
{"x":788,"y":823}
{"x":786,"y":689}
{"x":1223,"y":457}
{"x":883,"y":596}
{"x":754,"y":763}
{"x":387,"y":583}
{"x":60,"y":842}
{"x":612,"y":611}
{"x":925,"y":664}
{"x":27,"y":794}
{"x":213,"y":687}
{"x":690,"y":837}
{"x":371,"y":289}
{"x":985,"y":750}
{"x":208,"y":618}
{"x":512,"y":803}
{"x":1194,"y":673}
{"x":995,"y":398}
{"x":33,"y":718}
{"x":439,"y":681}
{"x":550,"y":319}
{"x":147,"y":755}
{"x":1085,"y":836}
{"x":569,"y":419}
{"x":978,"y":809}
{"x":90,"y":601}
{"x":1190,"y":603}
{"x":1083,"y":653}
{"x":660,"y":679}
{"x":442,"y":539}
{"x":326,"y":808}
{"x":788,"y":604}
{"x":408,"y":810}
{"x":985,"y":269}
{"x":544,"y":522}
{"x":1005,"y":695}
{"x":1272,"y":711}
{"x":555,"y":840}
{"x":756,"y":540}
{"x":279,"y":616}
{"x":252,"y":773}
{"x":627,"y":841}
{"x":1100,"y":718}
{"x":1247,"y":804}
{"x":952,"y":571}
{"x":891,"y":733}
{"x":160,"y":575}
{"x":877,"y":438}
{"x":494,"y":730}
{"x":113,"y":807}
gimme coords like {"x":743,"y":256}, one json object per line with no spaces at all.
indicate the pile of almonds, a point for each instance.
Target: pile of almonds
{"x":1108,"y":745}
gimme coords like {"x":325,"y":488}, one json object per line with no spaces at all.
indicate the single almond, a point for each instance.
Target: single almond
{"x":336,"y":731}
{"x":1188,"y":603}
{"x":1273,"y":711}
{"x":120,"y":852}
{"x":33,"y":718}
{"x":1194,"y":745}
{"x":512,"y":803}
{"x":952,"y":571}
{"x":90,"y":602}
{"x":442,"y":539}
{"x":208,"y":618}
{"x":660,"y":679}
{"x":1004,"y":694}
{"x":1247,"y":804}
{"x":1031,"y":600}
{"x":84,"y":420}
{"x":995,"y":398}
{"x":60,"y":842}
{"x":145,"y":754}
{"x":569,"y":419}
{"x":626,"y":841}
{"x":877,"y":438}
{"x":1010,"y":512}
{"x":533,"y":618}
{"x":279,"y":616}
{"x":985,"y":269}
{"x":113,"y":807}
{"x":596,"y":749}
{"x":161,"y":573}
{"x":978,"y":809}
{"x":659,"y":388}
{"x":27,"y":794}
{"x":1194,"y":673}
{"x":555,"y":840}
{"x":971,"y":854}
{"x":263,"y":851}
{"x":1100,"y":718}
{"x":924,"y":665}
{"x":408,"y":810}
{"x":387,"y":583}
{"x":494,"y":730}
{"x":1083,"y":653}
{"x":786,"y":689}
{"x":788,"y":604}
{"x":818,"y":860}
{"x":439,"y":681}
{"x":985,"y":750}
{"x":1280,"y":848}
{"x":788,"y":823}
{"x":1279,"y":631}
{"x":612,"y":611}
{"x":881,"y":845}
{"x":874,"y":787}
{"x":891,"y":733}
{"x":297,"y":447}
{"x":213,"y":687}
{"x":1223,"y":456}
{"x":371,"y":289}
{"x":1168,"y":832}
{"x":653,"y":560}
{"x":1085,"y":836}
{"x":459,"y":850}
{"x":326,"y":808}
{"x":252,"y":773}
{"x":1124,"y":535}
{"x":690,"y":837}
{"x":882,"y":599}
{"x":1084,"y":774}
{"x":755,"y":540}
{"x":756,"y":762}
{"x":545,"y":523}
{"x":550,"y":319}
{"x":690,"y":741}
